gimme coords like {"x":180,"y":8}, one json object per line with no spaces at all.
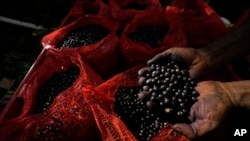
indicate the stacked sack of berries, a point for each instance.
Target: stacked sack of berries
{"x":86,"y":83}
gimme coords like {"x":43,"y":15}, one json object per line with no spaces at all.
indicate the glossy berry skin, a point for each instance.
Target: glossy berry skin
{"x":59,"y":82}
{"x":83,"y":36}
{"x":141,"y":122}
{"x":171,"y":89}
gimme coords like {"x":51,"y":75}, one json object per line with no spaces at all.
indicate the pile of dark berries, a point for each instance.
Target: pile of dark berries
{"x":153,"y":36}
{"x":168,"y":90}
{"x":83,"y":36}
{"x":59,"y":82}
{"x":143,"y":123}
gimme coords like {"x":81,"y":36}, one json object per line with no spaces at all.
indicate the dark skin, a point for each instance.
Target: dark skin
{"x":216,"y":98}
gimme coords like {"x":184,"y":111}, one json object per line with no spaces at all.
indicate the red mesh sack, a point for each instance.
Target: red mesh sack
{"x":138,"y":52}
{"x":68,"y":117}
{"x":201,"y":23}
{"x":86,"y":7}
{"x":103,"y":55}
{"x":101,"y":100}
{"x":125,"y":10}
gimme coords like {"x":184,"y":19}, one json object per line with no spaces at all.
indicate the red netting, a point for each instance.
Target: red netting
{"x":101,"y":101}
{"x":97,"y":54}
{"x":201,"y":23}
{"x":86,"y":7}
{"x":168,"y":134}
{"x":125,"y":10}
{"x":68,"y":117}
{"x":137,"y":53}
{"x":86,"y":113}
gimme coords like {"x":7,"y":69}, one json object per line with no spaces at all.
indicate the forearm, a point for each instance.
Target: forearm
{"x":232,"y":45}
{"x":239,"y":92}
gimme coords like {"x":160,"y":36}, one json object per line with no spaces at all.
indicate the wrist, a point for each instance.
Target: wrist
{"x":228,"y":47}
{"x":239,"y":93}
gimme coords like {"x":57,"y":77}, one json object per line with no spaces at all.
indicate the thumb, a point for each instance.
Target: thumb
{"x":195,"y":129}
{"x":185,"y":129}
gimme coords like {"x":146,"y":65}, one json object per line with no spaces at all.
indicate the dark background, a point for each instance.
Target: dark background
{"x":20,"y":46}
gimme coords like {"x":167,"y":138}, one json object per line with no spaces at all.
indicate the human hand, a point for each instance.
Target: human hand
{"x":206,"y":114}
{"x":196,"y":60}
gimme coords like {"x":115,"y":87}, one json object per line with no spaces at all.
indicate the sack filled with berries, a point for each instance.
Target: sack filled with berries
{"x":94,"y":38}
{"x":201,"y":23}
{"x":86,"y":7}
{"x":143,"y":38}
{"x":54,"y":107}
{"x":122,"y":114}
{"x":125,"y":10}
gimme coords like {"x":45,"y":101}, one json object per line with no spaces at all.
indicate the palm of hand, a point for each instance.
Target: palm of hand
{"x":208,"y":111}
{"x":193,"y":58}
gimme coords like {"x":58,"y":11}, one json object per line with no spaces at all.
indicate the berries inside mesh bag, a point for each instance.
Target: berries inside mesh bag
{"x":94,"y":38}
{"x":143,"y":38}
{"x":54,"y":107}
{"x":121,"y":115}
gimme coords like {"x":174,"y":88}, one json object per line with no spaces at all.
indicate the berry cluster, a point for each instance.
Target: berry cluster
{"x":168,"y":90}
{"x":83,"y":36}
{"x":152,"y":36}
{"x":141,"y":122}
{"x":59,"y":82}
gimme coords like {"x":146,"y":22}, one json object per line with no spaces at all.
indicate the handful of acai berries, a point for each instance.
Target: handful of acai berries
{"x":165,"y":95}
{"x":168,"y":90}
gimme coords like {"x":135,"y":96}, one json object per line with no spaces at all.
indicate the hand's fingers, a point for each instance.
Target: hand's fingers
{"x":172,"y":53}
{"x":195,"y":129}
{"x":162,"y":56}
{"x":143,"y":71}
{"x":185,"y":129}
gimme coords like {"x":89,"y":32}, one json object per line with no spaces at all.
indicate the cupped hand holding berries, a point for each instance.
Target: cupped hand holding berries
{"x":167,"y":89}
{"x":196,"y":60}
{"x":206,"y":114}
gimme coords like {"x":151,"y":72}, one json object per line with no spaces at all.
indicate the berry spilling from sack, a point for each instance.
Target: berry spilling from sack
{"x":59,"y":82}
{"x":153,"y":36}
{"x":168,"y":90}
{"x":143,"y":123}
{"x":83,"y":36}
